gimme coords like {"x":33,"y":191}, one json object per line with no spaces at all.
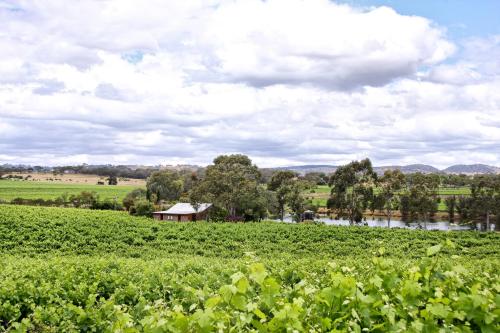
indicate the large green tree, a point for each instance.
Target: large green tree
{"x":112,"y":180}
{"x":296,"y":200}
{"x":391,"y":184}
{"x":352,"y":187}
{"x":451,"y":204}
{"x":485,"y":197}
{"x":164,"y":185}
{"x":231,"y":183}
{"x":282,"y":184}
{"x":423,"y":195}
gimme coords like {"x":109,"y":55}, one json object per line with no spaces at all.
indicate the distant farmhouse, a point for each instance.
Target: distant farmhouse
{"x":183,"y":212}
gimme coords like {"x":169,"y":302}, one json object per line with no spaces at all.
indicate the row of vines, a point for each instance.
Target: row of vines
{"x":70,"y":270}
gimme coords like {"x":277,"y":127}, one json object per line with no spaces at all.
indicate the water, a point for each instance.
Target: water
{"x":380,"y":222}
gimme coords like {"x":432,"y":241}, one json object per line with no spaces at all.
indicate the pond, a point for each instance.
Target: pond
{"x":381,"y":222}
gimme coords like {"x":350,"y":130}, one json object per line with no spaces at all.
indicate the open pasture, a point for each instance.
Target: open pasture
{"x":73,"y":178}
{"x":11,"y":189}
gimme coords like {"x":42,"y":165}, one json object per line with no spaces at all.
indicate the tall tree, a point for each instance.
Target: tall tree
{"x":485,"y":191}
{"x":352,"y":186}
{"x":296,"y":201}
{"x":230,"y":183}
{"x":282,"y":184}
{"x":463,"y":207}
{"x":391,"y":184}
{"x":164,"y":185}
{"x":423,"y":193}
{"x":451,"y":203}
{"x":112,"y":180}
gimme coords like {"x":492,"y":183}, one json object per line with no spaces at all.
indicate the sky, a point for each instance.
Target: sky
{"x":287,"y":82}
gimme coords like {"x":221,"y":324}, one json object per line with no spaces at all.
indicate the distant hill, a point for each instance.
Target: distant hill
{"x":472,"y":169}
{"x":411,"y":168}
{"x":303,"y":169}
{"x":143,"y":171}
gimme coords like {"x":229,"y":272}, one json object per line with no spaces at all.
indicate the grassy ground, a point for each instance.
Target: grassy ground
{"x":11,"y":189}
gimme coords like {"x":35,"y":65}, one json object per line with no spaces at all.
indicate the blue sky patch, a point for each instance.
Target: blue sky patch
{"x":133,"y":57}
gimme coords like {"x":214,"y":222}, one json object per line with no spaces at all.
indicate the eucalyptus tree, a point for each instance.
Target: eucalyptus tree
{"x":296,"y":200}
{"x":112,"y":180}
{"x":451,"y":204}
{"x":282,"y":184}
{"x":377,"y":202}
{"x":352,"y":187}
{"x":463,"y":207}
{"x":164,"y":185}
{"x":391,"y":184}
{"x":485,"y":195}
{"x":231,"y":183}
{"x":423,"y":195}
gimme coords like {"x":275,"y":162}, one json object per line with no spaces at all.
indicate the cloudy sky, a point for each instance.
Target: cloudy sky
{"x":285,"y":81}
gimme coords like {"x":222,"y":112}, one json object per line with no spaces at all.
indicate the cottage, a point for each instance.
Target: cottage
{"x":184,"y":212}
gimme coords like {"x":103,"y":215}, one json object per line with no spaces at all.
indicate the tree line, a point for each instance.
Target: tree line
{"x":239,"y":190}
{"x":357,"y":188}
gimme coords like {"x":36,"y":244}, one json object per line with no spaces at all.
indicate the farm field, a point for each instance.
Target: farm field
{"x":75,"y":178}
{"x":11,"y":189}
{"x":82,"y":270}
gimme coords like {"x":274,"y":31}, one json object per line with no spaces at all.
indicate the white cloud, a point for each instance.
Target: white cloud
{"x":318,"y":42}
{"x":283,"y":81}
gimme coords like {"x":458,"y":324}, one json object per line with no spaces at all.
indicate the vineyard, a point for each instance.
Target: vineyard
{"x":80,"y":270}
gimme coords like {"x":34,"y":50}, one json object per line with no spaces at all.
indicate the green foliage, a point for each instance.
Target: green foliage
{"x":112,"y":180}
{"x":281,"y":184}
{"x":31,"y":230}
{"x":142,"y":207}
{"x":67,"y":270}
{"x":296,"y":201}
{"x":485,"y":197}
{"x":391,"y":184}
{"x":84,"y":199}
{"x":288,"y":190}
{"x":352,"y":188}
{"x":132,"y":197}
{"x":164,"y":185}
{"x":245,"y":295}
{"x":231,"y":183}
{"x":316,"y":178}
{"x":323,"y":193}
{"x":421,"y":197}
{"x":451,"y":203}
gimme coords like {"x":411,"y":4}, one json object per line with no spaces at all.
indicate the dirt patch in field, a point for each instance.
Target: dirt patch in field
{"x":76,"y":179}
